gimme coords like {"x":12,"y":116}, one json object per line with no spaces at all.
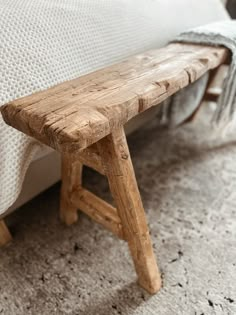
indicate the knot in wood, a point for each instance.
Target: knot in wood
{"x":123,"y":152}
{"x":124,"y":156}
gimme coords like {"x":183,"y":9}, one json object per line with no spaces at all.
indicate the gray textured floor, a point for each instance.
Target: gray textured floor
{"x":188,"y":184}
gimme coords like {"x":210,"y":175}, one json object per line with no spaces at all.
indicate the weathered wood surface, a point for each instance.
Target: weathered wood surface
{"x":118,"y":168}
{"x":90,"y":157}
{"x":5,"y":235}
{"x":75,"y":114}
{"x":71,"y":174}
{"x":98,"y":210}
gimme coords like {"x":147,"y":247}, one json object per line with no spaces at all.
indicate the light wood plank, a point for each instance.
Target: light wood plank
{"x":75,"y":114}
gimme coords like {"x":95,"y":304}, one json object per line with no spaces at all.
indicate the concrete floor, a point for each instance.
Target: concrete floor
{"x":187,"y":179}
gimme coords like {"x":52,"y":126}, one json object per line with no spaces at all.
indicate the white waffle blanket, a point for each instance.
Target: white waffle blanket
{"x":45,"y":42}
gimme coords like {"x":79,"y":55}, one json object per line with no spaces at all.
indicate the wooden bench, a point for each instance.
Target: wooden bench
{"x":84,"y":120}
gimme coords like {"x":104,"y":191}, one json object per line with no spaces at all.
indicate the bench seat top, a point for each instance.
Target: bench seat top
{"x":75,"y":114}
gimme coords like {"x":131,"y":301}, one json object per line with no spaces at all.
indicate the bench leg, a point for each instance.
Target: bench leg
{"x":71,"y":180}
{"x":118,"y":168}
{"x":5,"y":235}
{"x":207,"y":97}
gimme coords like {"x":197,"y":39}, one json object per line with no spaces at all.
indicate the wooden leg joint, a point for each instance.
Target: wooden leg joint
{"x":111,"y":157}
{"x":98,"y":210}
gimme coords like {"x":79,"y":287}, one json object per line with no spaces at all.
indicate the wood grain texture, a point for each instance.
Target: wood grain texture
{"x":75,"y":114}
{"x":5,"y":235}
{"x":71,"y":174}
{"x":119,"y":170}
{"x":98,"y":210}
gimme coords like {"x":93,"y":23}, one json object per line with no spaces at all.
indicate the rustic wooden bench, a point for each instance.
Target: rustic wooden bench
{"x":84,"y":120}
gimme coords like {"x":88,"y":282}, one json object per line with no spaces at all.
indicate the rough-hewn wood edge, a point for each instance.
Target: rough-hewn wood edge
{"x":67,"y":142}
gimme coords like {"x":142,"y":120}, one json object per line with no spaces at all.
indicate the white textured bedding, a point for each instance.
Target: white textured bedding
{"x":44,"y":42}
